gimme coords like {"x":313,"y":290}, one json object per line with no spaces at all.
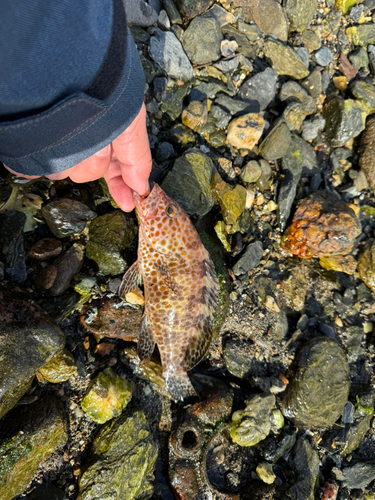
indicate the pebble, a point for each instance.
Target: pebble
{"x":265,"y":472}
{"x":195,"y":115}
{"x":66,"y":217}
{"x":67,"y":265}
{"x":277,"y":141}
{"x":251,"y":172}
{"x":46,"y":277}
{"x":245,"y":131}
{"x":293,"y":92}
{"x":344,"y":121}
{"x":268,"y":15}
{"x":366,"y":261}
{"x":232,"y":200}
{"x":202,"y":39}
{"x":250,"y":259}
{"x":311,"y":128}
{"x":323,"y":56}
{"x":300,"y":13}
{"x":294,"y":116}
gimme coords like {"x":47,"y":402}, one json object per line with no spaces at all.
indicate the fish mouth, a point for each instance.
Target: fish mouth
{"x":147,"y":205}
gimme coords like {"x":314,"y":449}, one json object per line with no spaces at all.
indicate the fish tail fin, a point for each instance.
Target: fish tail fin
{"x":179,"y":385}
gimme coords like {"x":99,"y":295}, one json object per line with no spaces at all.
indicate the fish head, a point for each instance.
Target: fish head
{"x":162,"y":221}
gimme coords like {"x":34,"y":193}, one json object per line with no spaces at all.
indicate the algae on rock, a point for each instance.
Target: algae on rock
{"x":122,"y":461}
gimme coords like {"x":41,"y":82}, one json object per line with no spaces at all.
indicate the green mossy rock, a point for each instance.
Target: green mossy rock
{"x":285,"y":59}
{"x":276,"y":143}
{"x":122,"y":461}
{"x":28,"y":340}
{"x":361,"y":35}
{"x":312,"y":381}
{"x":344,"y":120}
{"x":345,"y":5}
{"x":232,"y":200}
{"x":60,"y":368}
{"x":300,"y":13}
{"x":28,"y":435}
{"x":172,"y":105}
{"x":365,"y":92}
{"x":188,"y":183}
{"x":107,"y":397}
{"x":108,"y":236}
{"x":253,"y":424}
{"x":366,"y":265}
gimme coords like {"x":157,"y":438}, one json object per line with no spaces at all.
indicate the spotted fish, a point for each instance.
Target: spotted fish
{"x":180,"y":286}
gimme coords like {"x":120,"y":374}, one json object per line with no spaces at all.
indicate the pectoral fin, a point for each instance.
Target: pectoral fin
{"x":146,"y":342}
{"x":131,"y":280}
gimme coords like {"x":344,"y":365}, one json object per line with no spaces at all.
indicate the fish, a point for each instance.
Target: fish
{"x":181,"y":289}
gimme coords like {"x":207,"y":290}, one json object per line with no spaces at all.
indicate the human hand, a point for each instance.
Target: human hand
{"x":125,"y":164}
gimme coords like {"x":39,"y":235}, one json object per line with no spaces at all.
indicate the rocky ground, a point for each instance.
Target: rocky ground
{"x":261,"y":124}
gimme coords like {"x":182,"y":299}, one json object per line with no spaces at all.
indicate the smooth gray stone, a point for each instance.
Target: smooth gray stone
{"x":359,"y":475}
{"x":139,"y":13}
{"x":250,"y":259}
{"x":323,"y":56}
{"x":260,"y":88}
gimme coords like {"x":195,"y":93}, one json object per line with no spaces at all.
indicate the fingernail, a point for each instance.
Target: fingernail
{"x":104,"y":152}
{"x":146,"y":190}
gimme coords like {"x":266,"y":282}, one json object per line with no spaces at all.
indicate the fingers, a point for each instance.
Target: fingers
{"x":92,"y":168}
{"x":21,"y":175}
{"x":132,"y":150}
{"x":119,"y":190}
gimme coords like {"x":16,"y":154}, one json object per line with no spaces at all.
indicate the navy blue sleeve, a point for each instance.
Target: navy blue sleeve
{"x":71,"y":81}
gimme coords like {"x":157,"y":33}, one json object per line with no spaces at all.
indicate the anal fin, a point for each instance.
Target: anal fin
{"x":179,"y":385}
{"x":131,"y":280}
{"x":146,"y":342}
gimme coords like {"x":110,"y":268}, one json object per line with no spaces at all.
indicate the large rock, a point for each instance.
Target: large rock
{"x":300,"y":13}
{"x":344,"y":120}
{"x":28,"y":435}
{"x":202,"y":39}
{"x":361,"y":35}
{"x":28,"y":340}
{"x":189,"y":182}
{"x":305,"y":462}
{"x":109,"y":234}
{"x":65,"y":217}
{"x":285,"y":59}
{"x":166,"y":50}
{"x":323,"y":225}
{"x":122,"y":461}
{"x":312,"y":381}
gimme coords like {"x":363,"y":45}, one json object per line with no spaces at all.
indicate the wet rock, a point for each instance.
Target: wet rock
{"x":253,"y":424}
{"x":28,"y":340}
{"x":277,"y":141}
{"x":294,"y":116}
{"x":360,"y":425}
{"x":172,"y":11}
{"x":221,"y":232}
{"x":235,"y":106}
{"x":201,"y":40}
{"x":264,"y":180}
{"x":305,"y":461}
{"x":341,"y":263}
{"x":195,"y":115}
{"x":106,"y":397}
{"x":299,"y":157}
{"x":361,"y":35}
{"x":250,"y":259}
{"x":221,"y":15}
{"x":113,"y":318}
{"x":65,"y":217}
{"x":189,"y":182}
{"x":323,"y":56}
{"x":245,"y":131}
{"x":166,"y":50}
{"x":109,"y":234}
{"x":359,"y":475}
{"x":12,"y":251}
{"x":322,"y":225}
{"x":313,"y":83}
{"x":311,"y":128}
{"x":139,"y":34}
{"x":192,"y":8}
{"x":366,"y":264}
{"x":364,"y":91}
{"x":222,"y":117}
{"x":260,"y":88}
{"x":239,"y":358}
{"x":285,"y":59}
{"x":67,"y":265}
{"x":46,"y":491}
{"x":122,"y":459}
{"x":251,"y":172}
{"x":300,"y":13}
{"x":60,"y":368}
{"x":45,"y":248}
{"x":293,"y":92}
{"x":28,"y":435}
{"x":173,"y":102}
{"x":46,"y":277}
{"x":367,"y":152}
{"x":268,"y":15}
{"x":311,"y":381}
{"x":182,"y":135}
{"x":232,"y":200}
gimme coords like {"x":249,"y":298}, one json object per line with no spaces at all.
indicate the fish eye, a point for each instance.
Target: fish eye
{"x":171,"y":211}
